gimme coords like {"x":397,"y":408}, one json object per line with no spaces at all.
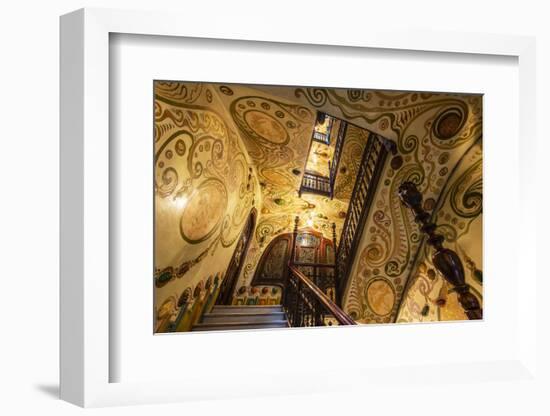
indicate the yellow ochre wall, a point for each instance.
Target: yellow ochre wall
{"x":205,"y":188}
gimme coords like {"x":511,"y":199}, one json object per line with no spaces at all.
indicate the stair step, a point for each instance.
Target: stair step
{"x":246,"y":309}
{"x":255,"y":317}
{"x":239,"y":325}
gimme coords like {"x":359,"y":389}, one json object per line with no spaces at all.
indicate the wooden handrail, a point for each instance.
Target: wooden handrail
{"x":330,"y":265}
{"x":330,"y":306}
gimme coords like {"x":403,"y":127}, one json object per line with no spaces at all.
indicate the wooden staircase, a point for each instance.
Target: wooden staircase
{"x":224,"y":318}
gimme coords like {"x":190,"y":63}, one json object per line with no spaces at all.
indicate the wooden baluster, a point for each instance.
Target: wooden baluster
{"x":445,"y":260}
{"x":292,"y":306}
{"x":290,"y":278}
{"x":316,"y":313}
{"x":290,"y":302}
{"x":297,"y":304}
{"x":305,"y":309}
{"x":302,"y":307}
{"x":312,"y":309}
{"x":335,"y":280}
{"x":305,"y":295}
{"x":308,"y":308}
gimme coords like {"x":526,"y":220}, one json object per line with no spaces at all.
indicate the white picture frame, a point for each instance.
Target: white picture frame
{"x":86,"y":353}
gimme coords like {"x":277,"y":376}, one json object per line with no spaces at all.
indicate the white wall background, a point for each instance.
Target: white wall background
{"x":29,"y":206}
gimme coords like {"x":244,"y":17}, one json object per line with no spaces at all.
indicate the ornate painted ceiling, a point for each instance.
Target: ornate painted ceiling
{"x":219,"y":151}
{"x":277,"y":134}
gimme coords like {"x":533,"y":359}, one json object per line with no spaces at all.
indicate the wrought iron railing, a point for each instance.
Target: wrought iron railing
{"x":322,"y":275}
{"x":333,"y":166}
{"x":372,"y":164}
{"x":315,"y":184}
{"x":306,"y":304}
{"x":321,"y":137}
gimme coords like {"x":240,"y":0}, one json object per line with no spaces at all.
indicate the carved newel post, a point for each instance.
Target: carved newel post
{"x":446,"y":261}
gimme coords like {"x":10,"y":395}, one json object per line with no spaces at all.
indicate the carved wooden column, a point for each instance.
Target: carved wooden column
{"x":446,"y":261}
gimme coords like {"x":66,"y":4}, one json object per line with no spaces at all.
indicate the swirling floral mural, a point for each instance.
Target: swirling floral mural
{"x":432,"y":132}
{"x":205,"y":186}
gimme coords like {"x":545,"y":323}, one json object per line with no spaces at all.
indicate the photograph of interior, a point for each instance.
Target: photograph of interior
{"x":279,"y":206}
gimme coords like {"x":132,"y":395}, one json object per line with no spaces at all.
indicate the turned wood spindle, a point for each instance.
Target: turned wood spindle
{"x":445,"y":260}
{"x":336,"y":282}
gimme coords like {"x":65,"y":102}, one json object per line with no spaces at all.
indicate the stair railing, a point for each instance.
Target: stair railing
{"x":322,"y":275}
{"x":306,"y":304}
{"x":372,"y":164}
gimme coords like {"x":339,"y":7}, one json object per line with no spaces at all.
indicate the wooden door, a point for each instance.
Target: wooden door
{"x":273,"y":267}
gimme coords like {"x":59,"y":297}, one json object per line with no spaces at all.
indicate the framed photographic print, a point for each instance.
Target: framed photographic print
{"x":277,"y":209}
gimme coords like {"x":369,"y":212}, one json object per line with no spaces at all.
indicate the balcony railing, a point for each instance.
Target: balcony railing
{"x":320,"y":136}
{"x":315,"y":184}
{"x":324,"y":185}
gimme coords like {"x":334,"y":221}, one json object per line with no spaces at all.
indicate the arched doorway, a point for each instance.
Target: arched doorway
{"x":236,"y":264}
{"x":312,"y":253}
{"x":272,"y":269}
